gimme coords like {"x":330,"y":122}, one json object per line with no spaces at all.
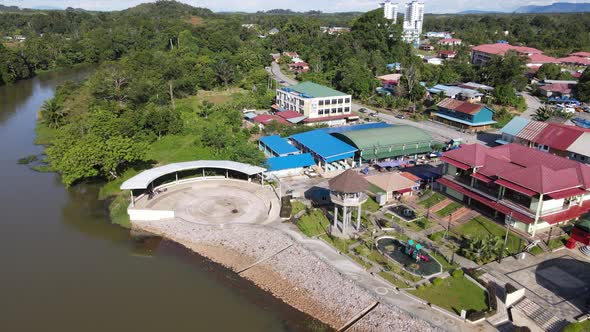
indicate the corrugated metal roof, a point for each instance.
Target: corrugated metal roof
{"x":460,"y":106}
{"x":289,"y":162}
{"x":581,"y":146}
{"x":278,"y":145}
{"x":515,"y":125}
{"x":558,"y":136}
{"x":143,"y":179}
{"x":325,"y":145}
{"x":315,"y":90}
{"x":363,"y":126}
{"x":531,"y":130}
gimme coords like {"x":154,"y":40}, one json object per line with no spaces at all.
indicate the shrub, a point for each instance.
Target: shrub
{"x":437,"y":281}
{"x":458,"y":273}
{"x":436,"y":236}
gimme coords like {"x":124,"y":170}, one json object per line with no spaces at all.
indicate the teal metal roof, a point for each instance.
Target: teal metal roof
{"x":485,"y":123}
{"x":314,"y":90}
{"x":515,"y":125}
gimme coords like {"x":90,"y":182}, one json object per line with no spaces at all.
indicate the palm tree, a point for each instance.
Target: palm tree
{"x":52,"y":114}
{"x":543,"y":113}
{"x":483,"y":249}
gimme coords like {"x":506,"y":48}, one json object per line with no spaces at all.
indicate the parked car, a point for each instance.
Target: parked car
{"x":400,"y":116}
{"x":363,"y":110}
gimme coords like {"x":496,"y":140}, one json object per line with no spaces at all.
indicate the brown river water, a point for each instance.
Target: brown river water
{"x":64,"y":267}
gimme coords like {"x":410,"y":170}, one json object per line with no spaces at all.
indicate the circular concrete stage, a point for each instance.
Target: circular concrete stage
{"x":218,"y":202}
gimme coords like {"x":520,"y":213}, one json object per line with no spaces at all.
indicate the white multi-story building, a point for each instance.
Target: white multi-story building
{"x":390,"y":10}
{"x":413,"y":22}
{"x":315,"y":103}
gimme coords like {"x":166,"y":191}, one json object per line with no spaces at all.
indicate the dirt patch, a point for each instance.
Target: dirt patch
{"x":196,"y":20}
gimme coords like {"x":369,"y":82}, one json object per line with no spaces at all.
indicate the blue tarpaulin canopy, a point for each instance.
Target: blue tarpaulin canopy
{"x":393,"y":163}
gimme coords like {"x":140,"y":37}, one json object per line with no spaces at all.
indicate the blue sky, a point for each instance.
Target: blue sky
{"x":432,"y":6}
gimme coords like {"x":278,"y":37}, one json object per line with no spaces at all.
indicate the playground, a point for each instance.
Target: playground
{"x":410,"y":255}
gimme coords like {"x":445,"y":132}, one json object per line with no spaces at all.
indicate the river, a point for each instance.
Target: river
{"x":64,"y":267}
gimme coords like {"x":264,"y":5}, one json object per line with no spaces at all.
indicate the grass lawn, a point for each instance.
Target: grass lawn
{"x":297,"y":207}
{"x":313,"y":223}
{"x":536,"y":250}
{"x":447,"y":210}
{"x":482,"y":227}
{"x":393,"y":280}
{"x":446,"y":265}
{"x":416,"y":225}
{"x":578,"y":327}
{"x":370,"y":205}
{"x":454,"y":294}
{"x":340,"y":244}
{"x":557,"y":242}
{"x":432,"y":200}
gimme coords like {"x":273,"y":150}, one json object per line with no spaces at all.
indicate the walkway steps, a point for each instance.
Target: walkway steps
{"x":440,"y":205}
{"x":543,"y":318}
{"x":464,"y":215}
{"x":585,"y":250}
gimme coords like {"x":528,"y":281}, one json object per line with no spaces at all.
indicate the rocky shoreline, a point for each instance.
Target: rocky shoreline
{"x":294,"y":275}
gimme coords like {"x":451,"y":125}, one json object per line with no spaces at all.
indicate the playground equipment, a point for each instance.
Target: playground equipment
{"x":414,"y":251}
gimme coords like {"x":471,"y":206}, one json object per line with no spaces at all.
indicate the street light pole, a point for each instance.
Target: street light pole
{"x":508,"y":223}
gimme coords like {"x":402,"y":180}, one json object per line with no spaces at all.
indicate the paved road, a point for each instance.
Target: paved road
{"x":438,"y":131}
{"x":532,"y":104}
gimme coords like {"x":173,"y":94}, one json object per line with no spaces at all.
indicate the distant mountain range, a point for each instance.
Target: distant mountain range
{"x":557,"y":7}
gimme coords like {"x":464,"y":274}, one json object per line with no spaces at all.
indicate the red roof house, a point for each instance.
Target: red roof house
{"x":581,"y":54}
{"x":527,"y":174}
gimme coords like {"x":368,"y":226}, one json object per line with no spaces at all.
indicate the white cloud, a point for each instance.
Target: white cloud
{"x":432,"y":6}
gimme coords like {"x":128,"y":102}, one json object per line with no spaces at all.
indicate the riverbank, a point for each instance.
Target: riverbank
{"x":294,"y":275}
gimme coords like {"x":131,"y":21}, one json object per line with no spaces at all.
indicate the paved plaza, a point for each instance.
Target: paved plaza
{"x":558,"y":282}
{"x":217,"y":202}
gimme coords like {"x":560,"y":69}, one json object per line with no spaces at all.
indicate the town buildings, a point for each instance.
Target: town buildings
{"x":316,"y":103}
{"x":529,"y":188}
{"x":413,"y":20}
{"x":390,"y":10}
{"x":450,"y":42}
{"x":562,"y":140}
{"x":482,"y":54}
{"x":464,"y":115}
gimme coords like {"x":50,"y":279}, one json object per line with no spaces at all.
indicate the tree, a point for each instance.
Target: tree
{"x":549,"y":71}
{"x":507,"y":70}
{"x":505,"y":95}
{"x":483,"y":249}
{"x":582,"y":89}
{"x":355,"y":77}
{"x":52,"y":113}
{"x":543,"y":113}
{"x":224,"y":72}
{"x":411,"y":82}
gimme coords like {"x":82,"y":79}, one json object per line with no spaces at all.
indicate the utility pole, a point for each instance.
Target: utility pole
{"x":508,"y":223}
{"x":449,"y":225}
{"x":549,"y":237}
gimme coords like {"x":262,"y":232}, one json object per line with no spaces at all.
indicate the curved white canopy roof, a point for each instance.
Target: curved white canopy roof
{"x":143,"y":179}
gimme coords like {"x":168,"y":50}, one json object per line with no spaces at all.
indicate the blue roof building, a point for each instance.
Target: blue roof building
{"x":295,"y":161}
{"x":464,"y":115}
{"x":276,"y":146}
{"x":324,"y":147}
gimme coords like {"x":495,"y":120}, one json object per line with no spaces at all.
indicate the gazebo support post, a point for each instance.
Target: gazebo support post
{"x":132,"y":198}
{"x":358,"y":219}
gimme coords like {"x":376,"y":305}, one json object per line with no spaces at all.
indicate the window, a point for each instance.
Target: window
{"x":347,"y":100}
{"x":347,"y":109}
{"x":334,"y":111}
{"x":334,"y":101}
{"x":321,"y":112}
{"x":339,"y":109}
{"x":321,"y":103}
{"x":340,"y":101}
{"x":327,"y":101}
